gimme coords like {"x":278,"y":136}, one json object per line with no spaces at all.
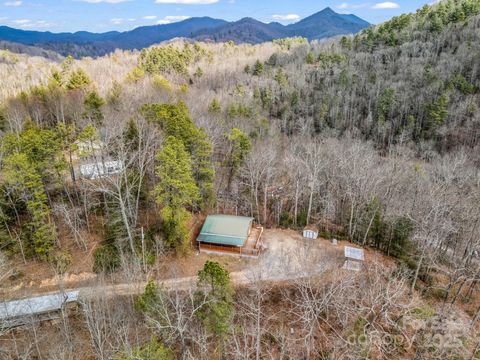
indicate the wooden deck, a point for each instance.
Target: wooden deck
{"x":251,"y":248}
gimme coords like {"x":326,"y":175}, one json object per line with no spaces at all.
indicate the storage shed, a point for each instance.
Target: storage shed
{"x":18,"y":312}
{"x":231,"y":234}
{"x":310,"y":232}
{"x":353,"y":258}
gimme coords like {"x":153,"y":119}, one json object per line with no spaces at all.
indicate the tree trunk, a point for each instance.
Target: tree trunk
{"x":472,"y":287}
{"x":459,"y":291}
{"x":265,"y":200}
{"x":256,"y":201}
{"x":369,"y":227}
{"x":417,"y":271}
{"x":350,"y":223}
{"x":310,"y":201}
{"x":259,"y":332}
{"x":126,"y":222}
{"x":72,"y":170}
{"x":295,"y":212}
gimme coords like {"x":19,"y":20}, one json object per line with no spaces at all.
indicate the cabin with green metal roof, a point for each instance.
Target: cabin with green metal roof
{"x":231,"y":234}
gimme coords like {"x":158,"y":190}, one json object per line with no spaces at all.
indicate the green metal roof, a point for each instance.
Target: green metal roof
{"x":225,"y":230}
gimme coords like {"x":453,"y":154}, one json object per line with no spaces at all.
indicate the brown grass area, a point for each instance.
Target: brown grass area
{"x":468,"y":300}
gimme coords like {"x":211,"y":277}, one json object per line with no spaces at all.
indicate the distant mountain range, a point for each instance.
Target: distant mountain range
{"x":325,"y":23}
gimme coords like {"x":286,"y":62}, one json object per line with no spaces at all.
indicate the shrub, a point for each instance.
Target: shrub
{"x":61,"y":261}
{"x":135,"y":75}
{"x":78,"y":80}
{"x":161,"y":83}
{"x":215,"y":107}
{"x":302,"y":219}
{"x":258,"y":68}
{"x":286,"y":221}
{"x":423,"y":312}
{"x":153,"y":350}
{"x":106,"y":258}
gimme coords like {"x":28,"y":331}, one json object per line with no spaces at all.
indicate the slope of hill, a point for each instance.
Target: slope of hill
{"x":29,"y":50}
{"x":246,"y":30}
{"x":320,"y":25}
{"x":413,"y":78}
{"x":147,"y":35}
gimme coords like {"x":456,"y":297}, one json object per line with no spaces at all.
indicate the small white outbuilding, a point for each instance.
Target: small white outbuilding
{"x":354,"y":258}
{"x":310,"y":232}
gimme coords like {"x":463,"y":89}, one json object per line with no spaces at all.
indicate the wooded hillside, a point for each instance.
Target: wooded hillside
{"x":375,"y":138}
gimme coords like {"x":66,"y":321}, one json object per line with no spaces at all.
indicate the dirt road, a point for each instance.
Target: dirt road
{"x":288,"y":256}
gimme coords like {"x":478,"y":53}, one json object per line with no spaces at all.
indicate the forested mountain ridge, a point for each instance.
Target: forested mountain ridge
{"x":94,"y":44}
{"x":414,"y":78}
{"x":323,"y":24}
{"x":29,"y":50}
{"x":373,"y":138}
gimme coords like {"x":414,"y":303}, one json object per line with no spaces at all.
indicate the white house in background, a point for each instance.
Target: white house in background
{"x":100,"y":169}
{"x":354,"y":258}
{"x":310,"y":232}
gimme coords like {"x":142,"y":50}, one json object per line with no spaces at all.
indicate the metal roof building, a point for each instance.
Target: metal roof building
{"x":36,"y":306}
{"x":226,"y":230}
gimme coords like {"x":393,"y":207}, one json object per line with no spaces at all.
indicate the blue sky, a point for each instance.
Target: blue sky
{"x":106,"y":15}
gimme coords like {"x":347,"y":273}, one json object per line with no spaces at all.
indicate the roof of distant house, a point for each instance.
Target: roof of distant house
{"x":225,"y":230}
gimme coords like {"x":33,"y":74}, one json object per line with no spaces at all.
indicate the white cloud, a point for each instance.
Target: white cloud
{"x":29,"y":24}
{"x":41,"y":24}
{"x":12,"y":3}
{"x":171,"y":19}
{"x":385,"y":5}
{"x":288,"y":17}
{"x":22,"y":21}
{"x":351,"y":6}
{"x":187,"y":2}
{"x":104,"y":1}
{"x":131,"y":19}
{"x":116,"y":21}
{"x":150,"y":17}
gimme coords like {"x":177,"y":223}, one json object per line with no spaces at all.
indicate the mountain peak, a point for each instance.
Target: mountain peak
{"x":247,"y":20}
{"x":323,"y":13}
